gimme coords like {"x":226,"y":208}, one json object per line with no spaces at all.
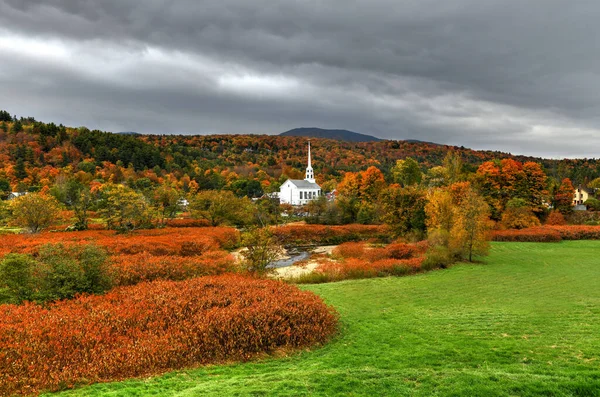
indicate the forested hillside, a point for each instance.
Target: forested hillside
{"x":33,"y":154}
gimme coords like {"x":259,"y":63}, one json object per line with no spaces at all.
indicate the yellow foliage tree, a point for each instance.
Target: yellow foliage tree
{"x":458,"y":220}
{"x":34,"y":211}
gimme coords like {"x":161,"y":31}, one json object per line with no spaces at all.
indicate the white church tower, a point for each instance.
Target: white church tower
{"x":300,"y":191}
{"x":310,"y":175}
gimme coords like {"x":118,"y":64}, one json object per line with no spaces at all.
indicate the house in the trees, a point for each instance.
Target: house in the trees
{"x":581,"y":195}
{"x":300,"y":191}
{"x":14,"y":195}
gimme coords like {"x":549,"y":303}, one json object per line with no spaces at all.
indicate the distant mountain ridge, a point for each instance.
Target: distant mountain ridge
{"x":340,"y":135}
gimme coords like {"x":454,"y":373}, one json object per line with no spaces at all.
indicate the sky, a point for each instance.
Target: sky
{"x":510,"y":75}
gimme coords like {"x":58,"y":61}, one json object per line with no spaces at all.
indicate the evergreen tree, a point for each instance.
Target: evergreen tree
{"x":20,"y":170}
{"x":17,"y":127}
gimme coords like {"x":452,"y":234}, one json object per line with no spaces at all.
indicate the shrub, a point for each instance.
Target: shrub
{"x":401,"y":250}
{"x":330,"y":235}
{"x":261,"y":248}
{"x":354,"y":268}
{"x":577,"y":232}
{"x":60,"y":272}
{"x":67,"y":271}
{"x":134,"y":269}
{"x":154,"y":327}
{"x":556,"y":218}
{"x":536,"y":234}
{"x":17,"y":282}
{"x":438,"y":256}
{"x":349,"y":250}
{"x":167,"y":241}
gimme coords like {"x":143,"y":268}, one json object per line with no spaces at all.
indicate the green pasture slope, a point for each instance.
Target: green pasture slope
{"x":526,"y":322}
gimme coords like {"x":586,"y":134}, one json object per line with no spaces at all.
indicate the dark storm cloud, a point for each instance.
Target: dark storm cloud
{"x":499,"y":74}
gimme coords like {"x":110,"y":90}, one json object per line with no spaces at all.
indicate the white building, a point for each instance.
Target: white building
{"x":300,"y":191}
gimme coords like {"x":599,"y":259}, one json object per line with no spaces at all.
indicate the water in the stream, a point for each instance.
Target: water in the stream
{"x":295,"y":256}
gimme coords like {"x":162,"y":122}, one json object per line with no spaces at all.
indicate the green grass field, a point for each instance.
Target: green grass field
{"x":525,"y":322}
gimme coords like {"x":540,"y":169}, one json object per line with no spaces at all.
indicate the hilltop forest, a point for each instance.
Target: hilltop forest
{"x":33,"y":154}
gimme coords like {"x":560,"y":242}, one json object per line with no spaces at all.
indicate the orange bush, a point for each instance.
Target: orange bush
{"x":168,"y":241}
{"x":577,"y":232}
{"x":354,"y":268}
{"x":549,"y":234}
{"x":534,"y":234}
{"x":350,"y":250}
{"x":556,"y":218}
{"x":133,"y":269}
{"x":403,"y":251}
{"x":357,"y":260}
{"x":154,"y":327}
{"x":329,"y":235}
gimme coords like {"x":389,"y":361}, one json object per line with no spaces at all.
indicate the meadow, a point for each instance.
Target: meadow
{"x":523,"y":322}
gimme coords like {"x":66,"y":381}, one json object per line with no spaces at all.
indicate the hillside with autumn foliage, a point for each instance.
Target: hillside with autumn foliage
{"x":34,"y":153}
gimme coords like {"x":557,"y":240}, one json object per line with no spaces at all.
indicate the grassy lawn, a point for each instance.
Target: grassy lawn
{"x":526,"y":322}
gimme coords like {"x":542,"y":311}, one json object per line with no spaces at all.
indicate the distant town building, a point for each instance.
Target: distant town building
{"x":300,"y":191}
{"x":14,"y":195}
{"x":581,"y":195}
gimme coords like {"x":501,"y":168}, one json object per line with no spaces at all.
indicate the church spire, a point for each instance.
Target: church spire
{"x":310,"y":175}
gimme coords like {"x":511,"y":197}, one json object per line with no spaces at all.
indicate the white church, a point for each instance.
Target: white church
{"x":300,"y":191}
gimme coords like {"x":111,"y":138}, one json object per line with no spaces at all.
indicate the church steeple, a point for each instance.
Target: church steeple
{"x":310,"y":175}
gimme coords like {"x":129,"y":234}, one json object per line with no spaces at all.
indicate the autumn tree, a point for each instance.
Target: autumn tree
{"x":595,"y":184}
{"x":501,"y":181}
{"x":407,"y":172}
{"x":436,"y":177}
{"x":165,"y":199}
{"x":34,"y":211}
{"x":403,"y":210}
{"x":592,"y":204}
{"x":261,"y":248}
{"x":76,"y":196}
{"x":4,"y":212}
{"x":457,"y":223}
{"x":563,"y":197}
{"x":372,"y":182}
{"x":268,"y":211}
{"x":469,"y":233}
{"x":359,"y":194}
{"x":221,"y":207}
{"x":519,"y":215}
{"x":453,"y":166}
{"x":124,"y":209}
{"x":535,"y":188}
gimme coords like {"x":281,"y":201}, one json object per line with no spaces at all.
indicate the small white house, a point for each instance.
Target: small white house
{"x":300,"y":191}
{"x":14,"y":195}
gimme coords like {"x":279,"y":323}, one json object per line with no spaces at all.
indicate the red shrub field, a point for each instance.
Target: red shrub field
{"x":549,"y":233}
{"x":154,"y":327}
{"x":133,"y":269}
{"x":354,"y":268}
{"x":188,"y":222}
{"x":358,"y":260}
{"x":534,"y":234}
{"x":578,"y":232}
{"x":329,"y":235}
{"x":168,"y":241}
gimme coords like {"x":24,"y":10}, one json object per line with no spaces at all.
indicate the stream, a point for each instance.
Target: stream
{"x":293,"y":256}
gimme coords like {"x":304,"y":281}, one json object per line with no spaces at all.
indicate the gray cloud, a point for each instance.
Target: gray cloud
{"x":491,"y":74}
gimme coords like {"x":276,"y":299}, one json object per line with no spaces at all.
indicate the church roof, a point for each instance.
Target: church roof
{"x":304,"y":184}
